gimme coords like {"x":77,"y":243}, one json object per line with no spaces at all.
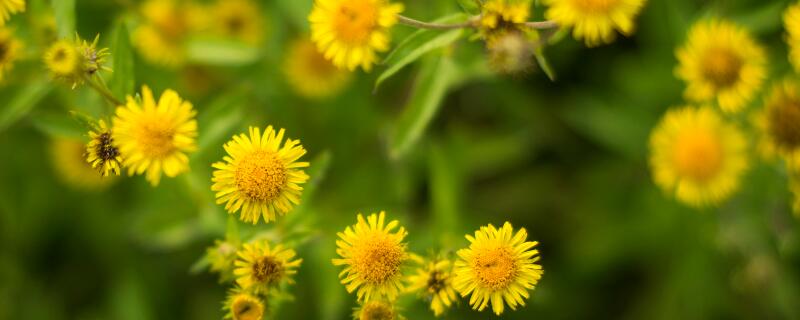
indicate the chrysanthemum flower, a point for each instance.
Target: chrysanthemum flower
{"x":499,"y":267}
{"x":373,"y":256}
{"x":350,"y":32}
{"x":697,"y":155}
{"x":434,"y":281}
{"x":259,"y":177}
{"x":721,"y":62}
{"x":595,"y":21}
{"x":791,"y":21}
{"x":502,"y":13}
{"x":70,"y":163}
{"x":310,"y":74}
{"x":241,"y":305}
{"x":101,"y":151}
{"x":9,"y":51}
{"x":779,"y":123}
{"x":63,"y":60}
{"x":376,"y":310}
{"x":260,"y":267}
{"x":239,"y":19}
{"x":221,"y":258}
{"x":9,"y":7}
{"x":155,"y":137}
{"x":161,"y":37}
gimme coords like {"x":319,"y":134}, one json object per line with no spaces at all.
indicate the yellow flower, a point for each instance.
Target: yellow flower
{"x":499,"y":266}
{"x":501,"y":26}
{"x":243,"y":306}
{"x":309,"y":74}
{"x":70,"y":164}
{"x":9,"y":7}
{"x":350,"y":32}
{"x":64,"y":61}
{"x":155,"y":137}
{"x":721,"y":62}
{"x":697,"y":155}
{"x":9,"y":51}
{"x":501,"y":13}
{"x":161,"y":37}
{"x":434,"y":280}
{"x":93,"y":58}
{"x":260,"y":266}
{"x":101,"y":151}
{"x":376,"y":310}
{"x":259,"y":176}
{"x":595,"y":21}
{"x":373,"y":257}
{"x":779,"y":123}
{"x":221,"y":257}
{"x":791,"y":20}
{"x":239,"y":19}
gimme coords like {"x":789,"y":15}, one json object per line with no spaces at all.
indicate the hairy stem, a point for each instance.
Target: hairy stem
{"x":103,"y":91}
{"x":548,"y":24}
{"x":432,"y":25}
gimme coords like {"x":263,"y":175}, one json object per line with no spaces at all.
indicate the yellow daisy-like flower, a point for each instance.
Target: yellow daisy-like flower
{"x":241,"y":305}
{"x":9,"y":7}
{"x":93,"y":58}
{"x":779,"y":123}
{"x":70,"y":164}
{"x":697,"y":155}
{"x":310,"y":74}
{"x":721,"y":62}
{"x":376,"y":310}
{"x":63,"y":60}
{"x":791,"y":21}
{"x":161,"y":37}
{"x":239,"y":19}
{"x":10,"y":49}
{"x":373,"y":256}
{"x":434,"y":280}
{"x":101,"y":151}
{"x":350,"y":32}
{"x":260,"y":266}
{"x":497,"y":13}
{"x":155,"y":137}
{"x":221,"y":257}
{"x":498,"y":267}
{"x":595,"y":21}
{"x":259,"y":176}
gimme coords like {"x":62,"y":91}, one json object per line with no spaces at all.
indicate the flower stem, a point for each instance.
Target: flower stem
{"x":547,"y":24}
{"x":432,"y":25}
{"x":103,"y":91}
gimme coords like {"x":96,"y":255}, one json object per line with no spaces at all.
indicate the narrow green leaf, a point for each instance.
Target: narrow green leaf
{"x":123,"y":79}
{"x":58,"y":125}
{"x":434,"y":79}
{"x":471,"y":7}
{"x":23,"y":102}
{"x":232,"y":230}
{"x":545,"y":64}
{"x":65,"y":17}
{"x":418,"y":44}
{"x":200,"y":265}
{"x":444,"y":193}
{"x":221,"y":52}
{"x":217,"y":121}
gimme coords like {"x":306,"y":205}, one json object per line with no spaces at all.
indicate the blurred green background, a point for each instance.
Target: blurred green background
{"x":567,"y":160}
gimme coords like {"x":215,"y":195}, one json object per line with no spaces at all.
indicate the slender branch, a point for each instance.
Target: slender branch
{"x":432,"y":25}
{"x":103,"y":91}
{"x":548,"y":24}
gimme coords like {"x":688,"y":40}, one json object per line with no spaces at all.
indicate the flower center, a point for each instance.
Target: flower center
{"x":376,"y":311}
{"x":436,"y":282}
{"x":354,"y":21}
{"x":260,"y":175}
{"x":234,"y":24}
{"x":722,"y":67}
{"x":156,"y":139}
{"x":495,"y":267}
{"x":315,"y":62}
{"x":4,"y":49}
{"x":246,"y":309}
{"x":784,"y":124}
{"x":267,"y":270}
{"x":595,"y":6}
{"x":698,"y":155}
{"x":105,"y":149}
{"x":378,"y":258}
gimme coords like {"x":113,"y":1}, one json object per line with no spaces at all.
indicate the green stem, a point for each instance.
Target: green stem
{"x":103,"y":91}
{"x":436,"y":26}
{"x":547,"y":24}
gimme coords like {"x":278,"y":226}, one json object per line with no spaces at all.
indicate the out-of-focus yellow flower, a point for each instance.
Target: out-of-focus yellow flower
{"x":9,"y":7}
{"x":595,"y":21}
{"x":102,"y":152}
{"x":166,"y":26}
{"x":503,"y":13}
{"x":70,"y":163}
{"x":791,"y":21}
{"x":779,"y":123}
{"x":350,"y":32}
{"x":241,"y":305}
{"x":259,"y":177}
{"x":10,"y":49}
{"x":155,"y":137}
{"x":498,"y":267}
{"x":373,"y":256}
{"x":697,"y":156}
{"x":75,"y":61}
{"x":239,"y":19}
{"x":376,"y":310}
{"x":721,"y":62}
{"x":221,"y":257}
{"x":260,"y":267}
{"x":310,"y":74}
{"x":433,"y":280}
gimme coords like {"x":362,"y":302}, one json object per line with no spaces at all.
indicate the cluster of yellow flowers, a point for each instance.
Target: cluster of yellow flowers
{"x":351,"y":33}
{"x":698,"y":152}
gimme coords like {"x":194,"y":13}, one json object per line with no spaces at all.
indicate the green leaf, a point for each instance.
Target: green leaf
{"x":58,"y":125}
{"x":544,"y":64}
{"x":418,"y":44}
{"x":123,"y":79}
{"x":217,"y":120}
{"x":221,"y":52}
{"x":65,"y":17}
{"x":435,"y":78}
{"x":444,"y":193}
{"x":232,"y":231}
{"x":470,"y":6}
{"x":23,"y":102}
